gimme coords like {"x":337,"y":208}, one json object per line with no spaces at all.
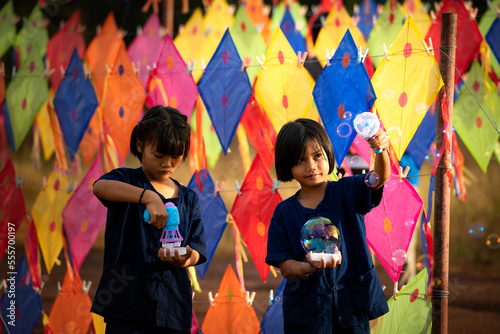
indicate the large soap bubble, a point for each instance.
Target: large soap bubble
{"x":322,"y":238}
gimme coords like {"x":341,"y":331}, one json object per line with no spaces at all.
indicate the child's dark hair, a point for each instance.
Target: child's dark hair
{"x":166,"y":129}
{"x":292,"y":142}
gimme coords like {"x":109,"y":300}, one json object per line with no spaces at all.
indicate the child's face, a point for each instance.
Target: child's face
{"x":158,"y":167}
{"x":312,"y":168}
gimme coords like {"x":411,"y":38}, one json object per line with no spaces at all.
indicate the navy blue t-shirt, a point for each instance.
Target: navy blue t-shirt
{"x":354,"y":285}
{"x":135,"y":282}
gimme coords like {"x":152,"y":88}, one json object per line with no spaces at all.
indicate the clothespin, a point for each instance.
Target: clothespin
{"x":402,"y":175}
{"x":86,"y":70}
{"x":203,"y":66}
{"x":238,"y":188}
{"x":211,"y":298}
{"x":261,"y":63}
{"x":323,"y":21}
{"x":301,"y":58}
{"x":246,"y":62}
{"x":48,"y":72}
{"x":44,"y":182}
{"x":433,"y":16}
{"x":108,"y":68}
{"x":218,"y":187}
{"x":361,"y":57}
{"x":2,"y":69}
{"x":59,"y":287}
{"x":70,"y":187}
{"x":355,"y":9}
{"x":299,"y":25}
{"x":276,"y":185}
{"x":396,"y":291}
{"x":384,"y":48}
{"x":328,"y":57}
{"x":259,"y":27}
{"x":86,"y":286}
{"x":271,"y":297}
{"x":249,"y":298}
{"x":266,"y":9}
{"x":190,"y":67}
{"x":19,"y":180}
{"x":138,"y":31}
{"x":374,"y":19}
{"x":473,"y":14}
{"x":431,"y":47}
{"x":426,"y":48}
{"x":61,"y":68}
{"x":497,"y":10}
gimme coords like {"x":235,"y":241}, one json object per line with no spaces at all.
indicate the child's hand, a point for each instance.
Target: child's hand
{"x":379,"y":141}
{"x":156,"y":209}
{"x":176,"y":260}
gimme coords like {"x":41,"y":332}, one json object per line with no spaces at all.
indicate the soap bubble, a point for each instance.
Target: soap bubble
{"x":319,"y":235}
{"x":372,"y":179}
{"x":493,"y":241}
{"x":399,"y":257}
{"x":476,"y":230}
{"x":347,"y":115}
{"x":421,"y":108}
{"x":395,"y":134}
{"x":344,"y":130}
{"x":356,"y":161}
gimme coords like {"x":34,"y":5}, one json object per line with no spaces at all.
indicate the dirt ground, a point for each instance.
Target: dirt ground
{"x":474,"y":304}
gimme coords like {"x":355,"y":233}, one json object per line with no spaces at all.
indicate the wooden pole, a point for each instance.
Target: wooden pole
{"x":440,"y":290}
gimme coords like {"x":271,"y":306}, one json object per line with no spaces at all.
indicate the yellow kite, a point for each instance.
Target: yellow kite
{"x":47,"y":215}
{"x":283,"y":87}
{"x":406,"y":84}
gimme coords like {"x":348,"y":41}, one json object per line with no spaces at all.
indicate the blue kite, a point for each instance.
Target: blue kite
{"x":225,"y":90}
{"x":22,"y":316}
{"x":75,"y":103}
{"x":367,"y":11}
{"x":272,"y":323}
{"x":292,"y":34}
{"x":343,"y":91}
{"x":213,"y":214}
{"x":493,"y":38}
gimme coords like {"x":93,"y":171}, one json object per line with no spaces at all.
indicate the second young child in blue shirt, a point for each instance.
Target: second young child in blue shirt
{"x":326,"y":296}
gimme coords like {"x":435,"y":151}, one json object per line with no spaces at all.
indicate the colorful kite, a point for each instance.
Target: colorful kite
{"x":46,"y":212}
{"x":42,"y":121}
{"x":468,"y":38}
{"x":283,"y":87}
{"x":337,"y":23}
{"x":33,"y":254}
{"x":487,"y":20}
{"x":82,"y":223}
{"x":367,"y":14}
{"x":229,"y":312}
{"x":144,"y":49}
{"x":122,"y":101}
{"x":71,"y":310}
{"x":102,"y":51}
{"x":75,"y":103}
{"x":260,"y":131}
{"x":177,"y":88}
{"x":390,"y":226}
{"x":61,"y":47}
{"x":406,"y":85}
{"x":225,"y":90}
{"x":272,"y":323}
{"x":297,"y":11}
{"x":25,"y":95}
{"x":259,"y":14}
{"x":423,"y":138}
{"x":213,"y":214}
{"x":252,"y":212}
{"x":32,"y":37}
{"x":292,"y":33}
{"x":493,"y":38}
{"x":248,"y":40}
{"x":12,"y":209}
{"x":410,"y":312}
{"x":342,"y":91}
{"x":7,"y":27}
{"x":385,"y":30}
{"x":472,"y":123}
{"x":419,"y":15}
{"x":212,"y":145}
{"x":91,"y":138}
{"x":21,"y":317}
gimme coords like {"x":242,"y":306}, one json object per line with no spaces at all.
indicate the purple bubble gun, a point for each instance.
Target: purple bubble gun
{"x":170,"y":237}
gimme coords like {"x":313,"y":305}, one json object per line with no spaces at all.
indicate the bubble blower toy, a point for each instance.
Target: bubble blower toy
{"x":367,"y":125}
{"x":322,"y":238}
{"x":170,"y":237}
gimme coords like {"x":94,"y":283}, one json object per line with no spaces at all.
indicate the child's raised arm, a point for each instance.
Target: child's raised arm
{"x":117,"y":191}
{"x":380,"y":141}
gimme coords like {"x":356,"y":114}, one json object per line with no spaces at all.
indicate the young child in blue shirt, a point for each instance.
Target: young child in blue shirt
{"x":144,"y":289}
{"x":330,"y":295}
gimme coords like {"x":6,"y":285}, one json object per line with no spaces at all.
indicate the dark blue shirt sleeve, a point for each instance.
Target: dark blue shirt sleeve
{"x":278,"y":245}
{"x":118,"y":174}
{"x":363,"y":198}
